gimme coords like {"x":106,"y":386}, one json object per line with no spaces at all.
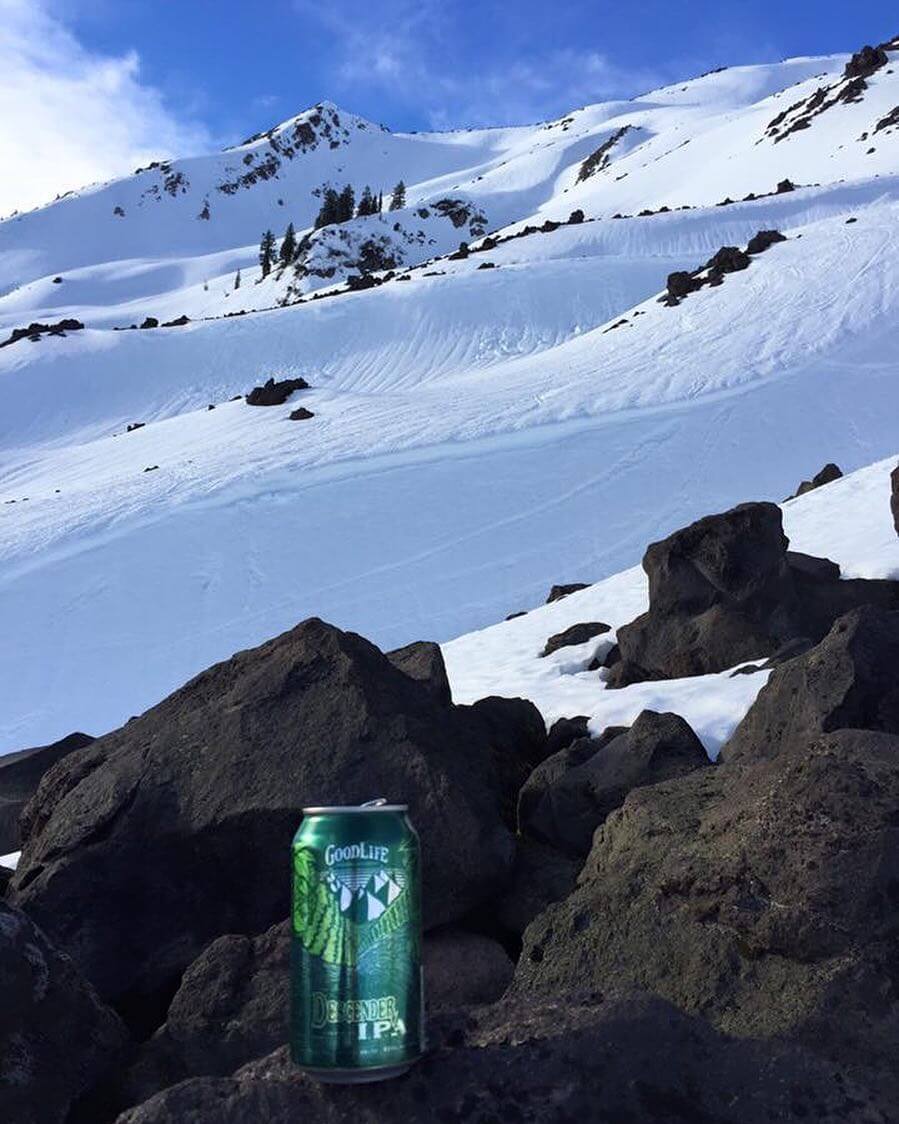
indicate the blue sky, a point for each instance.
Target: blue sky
{"x":433,"y":63}
{"x":89,"y":89}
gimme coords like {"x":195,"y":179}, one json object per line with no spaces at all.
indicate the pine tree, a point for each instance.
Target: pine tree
{"x":367,"y":204}
{"x":288,"y":246}
{"x":380,"y":202}
{"x":237,"y":280}
{"x":266,"y":252}
{"x":346,"y":204}
{"x":399,"y":197}
{"x":330,"y":208}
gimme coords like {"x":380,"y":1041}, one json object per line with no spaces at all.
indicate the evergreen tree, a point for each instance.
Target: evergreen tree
{"x":399,"y":197}
{"x":346,"y":204}
{"x":330,"y":208}
{"x":288,"y":246}
{"x":367,"y":204}
{"x":237,"y":280}
{"x":380,"y":202}
{"x":266,"y":252}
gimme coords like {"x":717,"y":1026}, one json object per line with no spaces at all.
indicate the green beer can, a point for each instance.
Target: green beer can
{"x":357,"y":1010}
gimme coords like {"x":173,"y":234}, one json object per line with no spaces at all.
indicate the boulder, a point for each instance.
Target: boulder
{"x":725,"y":590}
{"x":149,"y":322}
{"x":828,"y":473}
{"x":557,"y":592}
{"x":576,"y":217}
{"x":541,"y":875}
{"x":865,"y":62}
{"x":463,"y":970}
{"x":273,"y":393}
{"x":20,"y":774}
{"x":132,"y":844}
{"x":785,"y":186}
{"x":681,"y":283}
{"x":847,"y":681}
{"x":300,"y":414}
{"x":764,"y":240}
{"x":729,"y":259}
{"x":570,"y":794}
{"x":56,"y":1037}
{"x":516,"y":733}
{"x":422,"y":660}
{"x":894,"y":497}
{"x":574,"y":634}
{"x":564,"y":731}
{"x":763,"y":897}
{"x":626,"y":1058}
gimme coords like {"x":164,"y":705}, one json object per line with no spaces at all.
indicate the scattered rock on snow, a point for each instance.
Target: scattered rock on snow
{"x":574,"y":634}
{"x":274,"y":393}
{"x":827,"y":475}
{"x":557,"y":592}
{"x":764,"y":240}
{"x":300,"y":414}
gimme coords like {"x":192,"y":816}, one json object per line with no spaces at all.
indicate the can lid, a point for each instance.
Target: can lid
{"x":377,"y":805}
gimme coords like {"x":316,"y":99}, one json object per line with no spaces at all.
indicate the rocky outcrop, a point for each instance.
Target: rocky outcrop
{"x":761,"y":896}
{"x":274,"y":393}
{"x":622,"y":1058}
{"x":56,"y":1037}
{"x":572,"y":793}
{"x":726,"y":590}
{"x":20,"y":774}
{"x":35,"y":330}
{"x":423,"y":661}
{"x":865,"y":62}
{"x":557,"y":592}
{"x":516,"y":733}
{"x":847,"y":681}
{"x":212,"y":780}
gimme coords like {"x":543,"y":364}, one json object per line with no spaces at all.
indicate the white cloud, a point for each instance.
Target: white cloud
{"x":68,"y":116}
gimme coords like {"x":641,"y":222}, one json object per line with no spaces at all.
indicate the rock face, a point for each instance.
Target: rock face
{"x":762,"y":896}
{"x":132,"y":844}
{"x":726,"y":590}
{"x":629,"y":1058}
{"x":849,"y":680}
{"x":541,"y":875}
{"x":423,"y":661}
{"x":463,"y":970}
{"x":20,"y":774}
{"x":574,"y":634}
{"x":56,"y":1037}
{"x":570,"y":794}
{"x":516,"y":733}
{"x":894,"y":497}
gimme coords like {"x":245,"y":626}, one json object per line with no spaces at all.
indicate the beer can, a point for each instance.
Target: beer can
{"x":357,"y":1009}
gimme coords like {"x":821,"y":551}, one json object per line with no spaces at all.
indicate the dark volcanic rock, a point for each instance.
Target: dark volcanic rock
{"x":132,"y":844}
{"x":422,"y":660}
{"x":849,"y":680}
{"x":516,"y":733}
{"x":275,"y":393}
{"x":631,"y":1059}
{"x":725,"y":590}
{"x":557,"y":592}
{"x":827,"y":475}
{"x":729,"y":259}
{"x":234,"y":1000}
{"x":764,"y":240}
{"x":564,"y":731}
{"x":681,"y":284}
{"x":463,"y":970}
{"x":570,"y":794}
{"x":541,"y":875}
{"x":865,"y":62}
{"x":150,"y":322}
{"x":574,"y":634}
{"x":20,"y":774}
{"x":300,"y":414}
{"x":762,"y":896}
{"x":894,"y":497}
{"x":56,"y":1037}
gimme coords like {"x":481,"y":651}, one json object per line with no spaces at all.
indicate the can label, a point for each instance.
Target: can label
{"x":356,"y":947}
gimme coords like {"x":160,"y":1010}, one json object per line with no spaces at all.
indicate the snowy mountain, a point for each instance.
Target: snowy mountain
{"x":534,"y":405}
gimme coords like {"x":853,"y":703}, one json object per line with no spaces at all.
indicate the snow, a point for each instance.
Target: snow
{"x":10,"y":861}
{"x":848,"y":521}
{"x":478,"y":434}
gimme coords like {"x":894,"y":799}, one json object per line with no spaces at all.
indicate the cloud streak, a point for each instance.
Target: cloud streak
{"x":69,"y":116}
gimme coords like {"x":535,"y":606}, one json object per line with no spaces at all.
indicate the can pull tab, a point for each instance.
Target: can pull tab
{"x":376,"y":803}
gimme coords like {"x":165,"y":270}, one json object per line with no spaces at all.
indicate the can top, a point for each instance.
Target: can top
{"x":379,"y":805}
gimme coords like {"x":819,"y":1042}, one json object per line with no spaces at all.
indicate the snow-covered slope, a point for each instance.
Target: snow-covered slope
{"x":477,"y":432}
